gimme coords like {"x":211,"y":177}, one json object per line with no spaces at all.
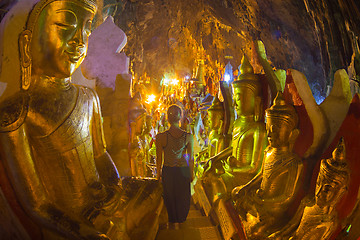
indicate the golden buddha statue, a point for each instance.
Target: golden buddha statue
{"x":316,"y":218}
{"x":243,"y":159}
{"x":51,"y":133}
{"x":215,"y":120}
{"x":263,"y":203}
{"x":137,"y":123}
{"x":214,"y":123}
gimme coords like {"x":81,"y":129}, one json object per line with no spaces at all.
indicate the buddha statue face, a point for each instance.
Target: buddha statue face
{"x":214,"y":119}
{"x":281,"y":122}
{"x":59,"y":38}
{"x":244,"y":100}
{"x":278,"y":132}
{"x":333,"y":177}
{"x":326,"y":191}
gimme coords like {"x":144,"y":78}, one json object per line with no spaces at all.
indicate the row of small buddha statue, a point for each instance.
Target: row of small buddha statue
{"x":263,"y":181}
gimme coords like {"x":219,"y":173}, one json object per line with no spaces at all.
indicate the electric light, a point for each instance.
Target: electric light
{"x":150,"y":98}
{"x":227,"y":77}
{"x":166,"y":81}
{"x":174,"y":82}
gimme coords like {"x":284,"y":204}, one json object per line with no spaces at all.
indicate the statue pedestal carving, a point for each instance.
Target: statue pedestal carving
{"x":202,"y":198}
{"x":226,"y":223}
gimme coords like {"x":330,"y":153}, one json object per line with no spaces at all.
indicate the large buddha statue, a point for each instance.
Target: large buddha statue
{"x":243,"y":159}
{"x":51,"y":133}
{"x":317,"y":218}
{"x":263,"y":203}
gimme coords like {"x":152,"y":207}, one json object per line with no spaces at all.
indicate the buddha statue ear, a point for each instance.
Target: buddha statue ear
{"x":292,"y":138}
{"x":258,"y":109}
{"x":25,"y":58}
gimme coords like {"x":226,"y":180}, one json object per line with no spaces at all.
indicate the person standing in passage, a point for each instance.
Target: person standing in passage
{"x":175,"y":167}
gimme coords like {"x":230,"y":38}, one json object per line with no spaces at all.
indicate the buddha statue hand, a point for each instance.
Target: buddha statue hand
{"x":238,"y":195}
{"x":99,"y":237}
{"x":276,"y":236}
{"x":214,"y":166}
{"x":207,"y":165}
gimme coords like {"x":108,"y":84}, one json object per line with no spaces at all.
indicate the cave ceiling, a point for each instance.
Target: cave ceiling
{"x":170,"y":36}
{"x":314,"y":37}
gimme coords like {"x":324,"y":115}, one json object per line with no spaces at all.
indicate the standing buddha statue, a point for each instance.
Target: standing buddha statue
{"x":263,"y":203}
{"x":240,"y":162}
{"x":137,"y":123}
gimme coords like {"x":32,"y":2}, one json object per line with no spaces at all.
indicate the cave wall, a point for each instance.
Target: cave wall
{"x":314,"y":37}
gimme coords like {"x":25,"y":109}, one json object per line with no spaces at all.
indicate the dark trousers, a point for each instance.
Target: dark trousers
{"x":176,"y":185}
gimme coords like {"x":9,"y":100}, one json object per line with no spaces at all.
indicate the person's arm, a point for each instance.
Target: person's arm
{"x":190,"y":152}
{"x":159,"y":155}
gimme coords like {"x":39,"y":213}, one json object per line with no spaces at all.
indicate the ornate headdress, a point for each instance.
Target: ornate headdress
{"x":336,"y":168}
{"x":281,"y":110}
{"x":216,"y":105}
{"x":247,"y":78}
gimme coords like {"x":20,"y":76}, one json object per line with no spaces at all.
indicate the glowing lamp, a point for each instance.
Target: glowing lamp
{"x":150,"y":98}
{"x":227,"y":77}
{"x":166,"y":81}
{"x":174,"y":82}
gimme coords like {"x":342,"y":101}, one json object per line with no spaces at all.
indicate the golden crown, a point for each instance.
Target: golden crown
{"x":281,"y":110}
{"x":247,"y":78}
{"x":336,"y":168}
{"x":216,"y":105}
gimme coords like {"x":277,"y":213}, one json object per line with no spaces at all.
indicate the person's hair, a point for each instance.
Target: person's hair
{"x":174,"y":114}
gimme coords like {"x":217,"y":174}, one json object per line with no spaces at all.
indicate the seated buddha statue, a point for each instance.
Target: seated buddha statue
{"x":215,"y":120}
{"x":214,"y":123}
{"x":51,"y":135}
{"x":262,"y":203}
{"x":316,"y":218}
{"x":239,"y":163}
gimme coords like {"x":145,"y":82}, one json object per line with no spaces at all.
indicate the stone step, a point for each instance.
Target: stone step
{"x":209,"y":233}
{"x":196,"y":227}
{"x":206,"y":233}
{"x":194,"y":214}
{"x":198,"y":222}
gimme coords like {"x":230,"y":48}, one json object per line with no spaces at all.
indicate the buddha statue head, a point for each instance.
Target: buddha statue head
{"x":333,"y":178}
{"x":216,"y":114}
{"x":148,"y":124}
{"x":281,"y":123}
{"x":136,"y":116}
{"x":43,"y":37}
{"x":54,"y":42}
{"x":247,"y":91}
